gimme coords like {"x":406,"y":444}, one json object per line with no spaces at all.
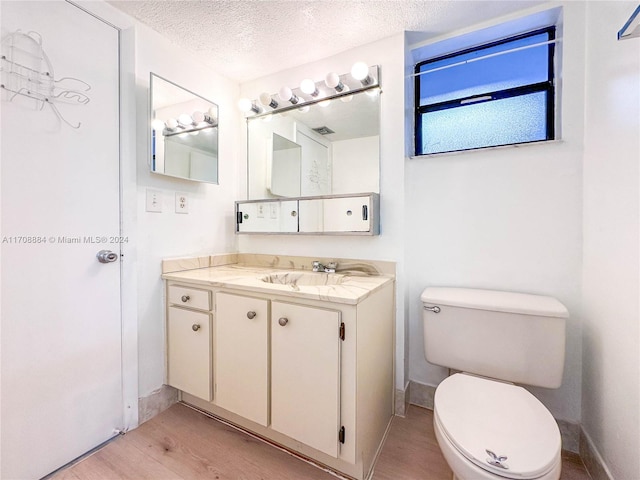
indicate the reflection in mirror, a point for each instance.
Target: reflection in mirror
{"x":285,"y":167}
{"x":184,"y":133}
{"x":337,"y":142}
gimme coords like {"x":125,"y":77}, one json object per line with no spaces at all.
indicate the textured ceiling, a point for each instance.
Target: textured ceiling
{"x":248,"y":39}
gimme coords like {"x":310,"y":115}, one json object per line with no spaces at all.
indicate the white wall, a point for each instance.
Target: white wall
{"x":209,"y":225}
{"x":387,"y":53}
{"x":505,"y":219}
{"x":611,"y":392}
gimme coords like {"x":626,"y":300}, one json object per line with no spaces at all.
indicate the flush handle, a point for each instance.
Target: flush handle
{"x":435,"y":309}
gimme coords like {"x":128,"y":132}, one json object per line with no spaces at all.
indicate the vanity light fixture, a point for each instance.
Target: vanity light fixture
{"x":360,"y":71}
{"x":308,"y":86}
{"x":201,"y":117}
{"x":267,"y":100}
{"x":247,"y":106}
{"x":185,"y":120}
{"x":158,"y":125}
{"x":332,"y":80}
{"x":287,"y":95}
{"x":363,"y":78}
{"x":172,"y":124}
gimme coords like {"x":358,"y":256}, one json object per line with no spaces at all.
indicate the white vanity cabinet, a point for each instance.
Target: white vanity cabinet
{"x":189,"y":341}
{"x":242,"y":356}
{"x":314,"y":376}
{"x":305,"y":374}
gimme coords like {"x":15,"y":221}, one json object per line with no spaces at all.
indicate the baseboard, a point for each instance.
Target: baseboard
{"x":592,"y":459}
{"x":156,"y":402}
{"x":402,"y":400}
{"x":422,"y":395}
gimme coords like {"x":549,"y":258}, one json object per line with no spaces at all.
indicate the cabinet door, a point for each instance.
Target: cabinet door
{"x":242,"y":356}
{"x":305,"y":374}
{"x":189,"y":352}
{"x":348,"y":214}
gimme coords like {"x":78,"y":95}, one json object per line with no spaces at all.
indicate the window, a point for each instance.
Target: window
{"x":500,"y":93}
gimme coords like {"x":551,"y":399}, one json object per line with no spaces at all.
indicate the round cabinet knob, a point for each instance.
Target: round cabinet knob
{"x":251,"y":315}
{"x":195,"y":327}
{"x":185,"y":298}
{"x":283,"y":321}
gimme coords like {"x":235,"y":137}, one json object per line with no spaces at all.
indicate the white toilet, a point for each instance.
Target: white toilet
{"x":487,"y":427}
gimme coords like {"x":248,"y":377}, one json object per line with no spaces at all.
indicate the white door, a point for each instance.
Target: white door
{"x":61,"y":324}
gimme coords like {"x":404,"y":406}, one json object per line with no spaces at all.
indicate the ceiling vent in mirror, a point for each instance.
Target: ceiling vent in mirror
{"x":323,"y":130}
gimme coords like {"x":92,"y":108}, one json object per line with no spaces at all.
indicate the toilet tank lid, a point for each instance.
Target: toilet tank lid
{"x":494,"y":300}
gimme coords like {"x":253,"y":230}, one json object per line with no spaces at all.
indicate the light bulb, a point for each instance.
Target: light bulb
{"x":374,"y":92}
{"x":158,"y":125}
{"x":185,"y":120}
{"x":332,"y":80}
{"x":304,"y":109}
{"x":324,"y":103}
{"x":286,"y":95}
{"x":267,"y":101}
{"x":346,"y":98}
{"x":198,"y":117}
{"x":308,"y":86}
{"x":360,"y":71}
{"x":172,"y":124}
{"x":213,"y":113}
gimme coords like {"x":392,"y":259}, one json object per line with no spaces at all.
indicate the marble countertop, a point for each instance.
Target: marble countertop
{"x":348,"y":287}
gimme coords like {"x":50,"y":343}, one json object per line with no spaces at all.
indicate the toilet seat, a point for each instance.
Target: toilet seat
{"x":477,"y":414}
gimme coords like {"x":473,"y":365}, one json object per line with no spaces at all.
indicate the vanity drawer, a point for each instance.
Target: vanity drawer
{"x":190,"y":297}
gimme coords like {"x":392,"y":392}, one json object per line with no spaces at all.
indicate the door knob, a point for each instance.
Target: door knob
{"x":185,"y":298}
{"x":106,"y":256}
{"x":283,"y":321}
{"x":251,"y":315}
{"x":195,"y":327}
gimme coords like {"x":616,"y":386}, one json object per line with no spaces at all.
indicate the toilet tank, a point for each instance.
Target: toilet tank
{"x":509,"y":336}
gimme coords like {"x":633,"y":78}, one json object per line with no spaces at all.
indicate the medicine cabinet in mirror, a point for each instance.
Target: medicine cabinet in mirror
{"x":330,"y":147}
{"x":336,"y":215}
{"x":184,"y":132}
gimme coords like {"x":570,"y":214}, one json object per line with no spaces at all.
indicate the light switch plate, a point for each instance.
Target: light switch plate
{"x":182,"y":203}
{"x":154,"y":201}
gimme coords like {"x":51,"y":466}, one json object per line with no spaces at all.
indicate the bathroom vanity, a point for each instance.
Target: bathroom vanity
{"x":303,"y":359}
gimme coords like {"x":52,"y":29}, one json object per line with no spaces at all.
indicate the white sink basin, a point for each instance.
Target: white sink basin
{"x":301,"y":279}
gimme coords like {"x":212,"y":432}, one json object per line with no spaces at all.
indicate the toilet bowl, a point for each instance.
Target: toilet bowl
{"x":487,"y":427}
{"x":474,"y":416}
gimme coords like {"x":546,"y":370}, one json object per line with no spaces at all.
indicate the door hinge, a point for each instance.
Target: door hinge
{"x":341,"y":435}
{"x":341,"y":331}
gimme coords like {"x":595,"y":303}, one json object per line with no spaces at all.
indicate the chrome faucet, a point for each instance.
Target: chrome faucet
{"x":328,"y":268}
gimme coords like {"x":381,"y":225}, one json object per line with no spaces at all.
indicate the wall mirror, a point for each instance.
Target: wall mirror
{"x":184,"y":132}
{"x":327,"y":148}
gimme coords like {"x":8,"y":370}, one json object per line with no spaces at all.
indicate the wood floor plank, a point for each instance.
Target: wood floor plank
{"x":411,"y":451}
{"x":183,"y":444}
{"x":121,"y":460}
{"x":197,"y":446}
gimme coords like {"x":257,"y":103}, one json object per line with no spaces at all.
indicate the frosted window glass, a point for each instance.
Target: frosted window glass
{"x":483,"y":124}
{"x":515,"y":69}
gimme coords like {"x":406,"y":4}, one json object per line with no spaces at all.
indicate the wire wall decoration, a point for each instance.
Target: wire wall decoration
{"x":26,"y":71}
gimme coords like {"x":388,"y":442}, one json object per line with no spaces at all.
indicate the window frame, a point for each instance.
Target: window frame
{"x":547,"y":86}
